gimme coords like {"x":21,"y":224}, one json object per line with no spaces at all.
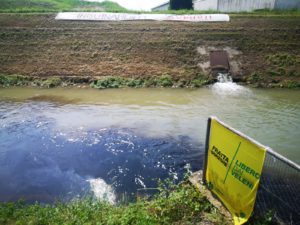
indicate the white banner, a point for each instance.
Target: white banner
{"x":95,"y":16}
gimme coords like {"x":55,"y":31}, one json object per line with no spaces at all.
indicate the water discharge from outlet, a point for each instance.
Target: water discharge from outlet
{"x":220,"y":68}
{"x":224,"y":78}
{"x":226,"y":87}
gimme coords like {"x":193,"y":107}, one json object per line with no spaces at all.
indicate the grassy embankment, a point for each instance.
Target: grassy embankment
{"x":175,"y":204}
{"x":38,"y":6}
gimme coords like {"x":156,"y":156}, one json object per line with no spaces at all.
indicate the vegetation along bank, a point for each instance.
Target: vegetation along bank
{"x":175,"y":204}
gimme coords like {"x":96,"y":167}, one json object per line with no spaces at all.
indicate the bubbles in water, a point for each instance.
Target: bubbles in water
{"x":225,"y":86}
{"x":102,"y":190}
{"x":139,"y":181}
{"x":224,"y":78}
{"x":49,"y":162}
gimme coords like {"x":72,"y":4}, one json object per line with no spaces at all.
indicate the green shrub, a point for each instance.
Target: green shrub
{"x":135,"y":82}
{"x":196,"y":83}
{"x":51,"y":82}
{"x":164,"y":81}
{"x":13,"y":80}
{"x":108,"y":82}
{"x":292,"y":84}
{"x":182,"y":83}
{"x":151,"y":82}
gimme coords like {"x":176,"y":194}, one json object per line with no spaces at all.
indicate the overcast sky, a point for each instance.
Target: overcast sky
{"x":137,"y":4}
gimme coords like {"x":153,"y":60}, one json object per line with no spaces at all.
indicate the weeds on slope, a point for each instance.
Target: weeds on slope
{"x":175,"y":204}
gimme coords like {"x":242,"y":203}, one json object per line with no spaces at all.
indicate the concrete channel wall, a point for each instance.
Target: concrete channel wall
{"x":245,"y":5}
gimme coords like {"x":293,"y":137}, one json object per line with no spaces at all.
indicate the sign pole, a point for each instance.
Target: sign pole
{"x":206,"y":150}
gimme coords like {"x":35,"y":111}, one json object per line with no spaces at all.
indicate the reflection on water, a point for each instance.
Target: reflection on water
{"x":59,"y":100}
{"x":63,"y":143}
{"x":42,"y":159}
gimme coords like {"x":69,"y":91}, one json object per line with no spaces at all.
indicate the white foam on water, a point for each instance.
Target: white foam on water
{"x":226,"y":87}
{"x":224,"y":78}
{"x":102,"y":190}
{"x":138,"y":180}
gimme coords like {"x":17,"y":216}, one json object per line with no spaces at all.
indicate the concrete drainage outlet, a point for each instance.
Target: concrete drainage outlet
{"x":219,"y":62}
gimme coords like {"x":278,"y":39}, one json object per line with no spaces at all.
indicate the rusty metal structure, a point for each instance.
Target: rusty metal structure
{"x":219,"y":62}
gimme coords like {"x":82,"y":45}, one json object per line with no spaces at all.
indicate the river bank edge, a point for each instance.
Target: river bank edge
{"x":175,"y":204}
{"x":104,"y":82}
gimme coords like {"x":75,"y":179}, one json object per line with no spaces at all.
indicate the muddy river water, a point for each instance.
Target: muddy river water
{"x":68,"y":142}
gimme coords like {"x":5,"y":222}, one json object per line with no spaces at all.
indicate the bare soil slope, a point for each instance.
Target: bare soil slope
{"x":38,"y":45}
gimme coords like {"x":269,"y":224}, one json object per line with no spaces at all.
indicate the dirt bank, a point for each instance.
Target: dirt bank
{"x":264,"y":50}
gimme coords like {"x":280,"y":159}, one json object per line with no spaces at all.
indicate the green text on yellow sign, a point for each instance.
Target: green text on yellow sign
{"x":234,"y":165}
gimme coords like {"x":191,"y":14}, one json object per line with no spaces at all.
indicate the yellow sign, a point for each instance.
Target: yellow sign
{"x":234,"y":165}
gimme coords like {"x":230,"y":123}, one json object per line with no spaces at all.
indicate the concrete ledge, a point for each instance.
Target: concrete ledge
{"x":196,"y":181}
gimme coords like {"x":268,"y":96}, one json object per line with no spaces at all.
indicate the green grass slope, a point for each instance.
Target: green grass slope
{"x":182,"y":205}
{"x":175,"y":204}
{"x":8,"y":6}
